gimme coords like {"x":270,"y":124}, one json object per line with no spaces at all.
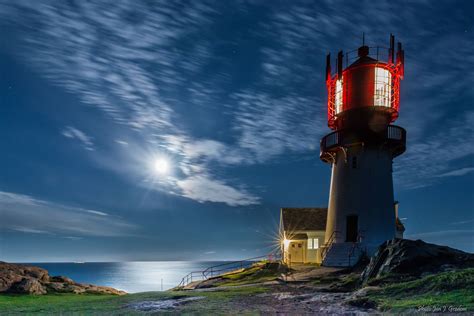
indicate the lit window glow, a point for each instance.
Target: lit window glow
{"x":338,"y":96}
{"x":313,"y":243}
{"x":383,"y":87}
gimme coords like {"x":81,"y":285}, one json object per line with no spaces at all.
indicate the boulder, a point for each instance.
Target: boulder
{"x":405,"y":259}
{"x":27,"y":286}
{"x":13,"y":273}
{"x":21,"y":279}
{"x":61,"y":279}
{"x":93,"y":289}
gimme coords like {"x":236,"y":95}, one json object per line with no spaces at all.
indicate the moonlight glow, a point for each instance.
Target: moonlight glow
{"x":161,"y":166}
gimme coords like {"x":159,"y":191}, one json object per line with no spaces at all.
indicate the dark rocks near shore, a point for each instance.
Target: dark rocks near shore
{"x":21,"y":279}
{"x":404,"y":259}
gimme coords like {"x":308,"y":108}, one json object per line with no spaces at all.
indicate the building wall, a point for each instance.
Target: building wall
{"x":314,"y":255}
{"x":309,"y":255}
{"x":364,"y":189}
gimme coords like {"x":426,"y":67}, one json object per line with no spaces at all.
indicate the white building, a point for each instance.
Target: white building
{"x":302,"y":232}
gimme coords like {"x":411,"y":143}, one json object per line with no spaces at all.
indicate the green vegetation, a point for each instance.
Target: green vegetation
{"x":258,"y":273}
{"x":56,"y":304}
{"x":214,"y":302}
{"x":346,"y":283}
{"x":454,"y":288}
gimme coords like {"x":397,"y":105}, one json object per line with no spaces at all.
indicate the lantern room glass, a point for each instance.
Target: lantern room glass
{"x":383,"y":87}
{"x":338,"y":96}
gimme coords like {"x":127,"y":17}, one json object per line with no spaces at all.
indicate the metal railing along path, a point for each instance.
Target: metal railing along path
{"x":223,"y":268}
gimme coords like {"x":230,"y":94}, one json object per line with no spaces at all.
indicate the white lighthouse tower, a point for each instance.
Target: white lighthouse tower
{"x":363,"y":101}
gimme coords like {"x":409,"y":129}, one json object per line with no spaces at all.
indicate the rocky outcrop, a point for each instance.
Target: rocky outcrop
{"x":407,"y":259}
{"x":21,"y":279}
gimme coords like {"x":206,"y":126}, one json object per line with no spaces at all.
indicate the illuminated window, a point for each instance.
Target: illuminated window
{"x":383,"y":87}
{"x":313,"y":243}
{"x":338,"y":96}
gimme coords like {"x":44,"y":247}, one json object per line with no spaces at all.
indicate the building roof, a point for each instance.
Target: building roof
{"x":299,"y":236}
{"x":303,"y":218}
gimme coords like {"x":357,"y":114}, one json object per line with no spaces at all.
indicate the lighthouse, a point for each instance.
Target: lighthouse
{"x":363,"y":102}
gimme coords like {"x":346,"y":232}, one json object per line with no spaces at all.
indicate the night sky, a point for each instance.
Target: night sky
{"x":160,"y":130}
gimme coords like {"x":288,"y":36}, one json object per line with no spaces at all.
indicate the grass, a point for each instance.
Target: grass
{"x":258,"y":273}
{"x":453,"y":288}
{"x":85,"y":304}
{"x":56,"y":304}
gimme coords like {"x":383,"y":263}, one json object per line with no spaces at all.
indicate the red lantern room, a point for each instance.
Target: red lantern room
{"x":367,"y":79}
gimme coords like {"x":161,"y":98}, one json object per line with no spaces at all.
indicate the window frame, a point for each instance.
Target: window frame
{"x":382,"y":87}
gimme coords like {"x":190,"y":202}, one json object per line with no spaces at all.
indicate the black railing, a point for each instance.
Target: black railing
{"x":355,"y":245}
{"x":328,"y":245}
{"x":223,"y":268}
{"x":379,"y":53}
{"x":394,"y":136}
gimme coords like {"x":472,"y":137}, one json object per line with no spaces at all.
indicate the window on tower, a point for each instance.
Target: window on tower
{"x":338,"y":96}
{"x":383,"y":87}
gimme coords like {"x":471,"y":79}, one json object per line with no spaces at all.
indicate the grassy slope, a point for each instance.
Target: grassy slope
{"x":215,"y":302}
{"x":454,"y":288}
{"x":258,"y":273}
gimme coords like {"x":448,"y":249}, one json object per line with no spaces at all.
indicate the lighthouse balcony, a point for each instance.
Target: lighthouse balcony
{"x":392,"y":138}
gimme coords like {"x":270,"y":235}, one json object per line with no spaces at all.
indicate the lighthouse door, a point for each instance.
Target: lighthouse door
{"x":351,"y":228}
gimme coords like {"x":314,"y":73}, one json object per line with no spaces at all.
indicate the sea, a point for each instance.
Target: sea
{"x":131,"y":277}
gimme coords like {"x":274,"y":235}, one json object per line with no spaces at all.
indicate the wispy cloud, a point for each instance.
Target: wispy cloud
{"x":269,"y":126}
{"x":203,"y":189}
{"x":433,"y":157}
{"x":27,"y":214}
{"x":457,"y":173}
{"x":73,"y":237}
{"x":107,"y":64}
{"x":74,"y":133}
{"x":96,"y":212}
{"x":442,"y":233}
{"x":121,"y":142}
{"x":146,"y":65}
{"x":29,"y":230}
{"x":469,"y":221}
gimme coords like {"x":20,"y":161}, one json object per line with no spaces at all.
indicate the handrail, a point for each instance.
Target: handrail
{"x":328,"y":244}
{"x":393,"y":136}
{"x":221,"y":269}
{"x":380,"y":53}
{"x":355,"y":245}
{"x":211,"y":271}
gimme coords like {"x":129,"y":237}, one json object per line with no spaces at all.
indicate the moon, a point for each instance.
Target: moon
{"x":161,"y":166}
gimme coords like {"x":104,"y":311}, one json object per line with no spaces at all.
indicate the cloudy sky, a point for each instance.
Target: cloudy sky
{"x":138,"y":130}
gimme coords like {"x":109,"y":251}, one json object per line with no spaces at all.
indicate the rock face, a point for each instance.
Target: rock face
{"x":21,"y":279}
{"x":403,"y":258}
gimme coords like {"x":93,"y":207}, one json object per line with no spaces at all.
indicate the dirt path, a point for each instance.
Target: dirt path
{"x":286,"y":298}
{"x":299,"y":300}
